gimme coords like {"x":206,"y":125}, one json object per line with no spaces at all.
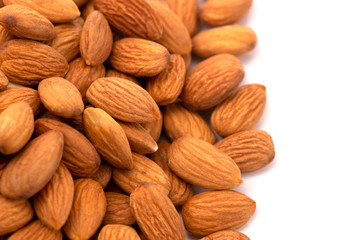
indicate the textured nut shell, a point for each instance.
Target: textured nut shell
{"x":154,"y":128}
{"x":186,"y":10}
{"x":35,"y":231}
{"x":20,"y":94}
{"x":226,"y":235}
{"x":103,"y":174}
{"x":118,"y":209}
{"x":240,"y":111}
{"x":5,"y":35}
{"x":4,"y":81}
{"x":114,"y":73}
{"x":211,"y":81}
{"x":117,"y":231}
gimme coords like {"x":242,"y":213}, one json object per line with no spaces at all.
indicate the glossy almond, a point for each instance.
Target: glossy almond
{"x":4,"y":81}
{"x":154,"y":128}
{"x":187,"y":11}
{"x":240,"y":111}
{"x":114,"y":73}
{"x":103,"y":174}
{"x":35,"y":231}
{"x":118,"y":209}
{"x":226,"y":235}
{"x":213,"y":211}
{"x":5,"y":35}
{"x":117,"y":231}
{"x":20,"y":94}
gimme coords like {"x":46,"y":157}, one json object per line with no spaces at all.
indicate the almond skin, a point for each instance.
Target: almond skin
{"x":211,"y":81}
{"x":200,"y":163}
{"x":226,"y":235}
{"x":30,"y":170}
{"x":75,"y":122}
{"x":187,"y":59}
{"x":240,"y":111}
{"x":118,"y":209}
{"x":117,"y":231}
{"x":186,"y":10}
{"x":4,"y":81}
{"x":5,"y":35}
{"x":103,"y":174}
{"x":80,"y":3}
{"x":139,"y":57}
{"x":35,"y":231}
{"x":20,"y":94}
{"x":114,"y":73}
{"x":123,"y":100}
{"x":16,"y":127}
{"x":235,"y":39}
{"x":88,"y":8}
{"x":154,"y":128}
{"x":213,"y":211}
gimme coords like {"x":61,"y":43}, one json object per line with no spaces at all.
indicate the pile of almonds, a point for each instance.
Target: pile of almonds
{"x":93,"y":83}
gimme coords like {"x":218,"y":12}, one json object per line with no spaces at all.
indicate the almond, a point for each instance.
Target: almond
{"x":61,"y":97}
{"x":16,"y":127}
{"x":24,"y":22}
{"x":118,"y":209}
{"x":35,"y":231}
{"x":114,"y":73}
{"x":53,"y":203}
{"x":187,"y":59}
{"x":103,"y":174}
{"x":131,"y":18}
{"x":30,"y":170}
{"x":139,"y":57}
{"x":187,"y":11}
{"x":75,"y":122}
{"x":4,"y":81}
{"x":20,"y":94}
{"x":213,"y":211}
{"x":87,"y":211}
{"x":237,"y":40}
{"x":154,"y":128}
{"x":96,"y":39}
{"x":80,"y":156}
{"x":200,"y":163}
{"x":226,"y":235}
{"x":27,"y":62}
{"x":80,"y":3}
{"x":117,"y":231}
{"x":5,"y":35}
{"x":155,"y":213}
{"x":123,"y":100}
{"x":179,"y":122}
{"x":240,"y":111}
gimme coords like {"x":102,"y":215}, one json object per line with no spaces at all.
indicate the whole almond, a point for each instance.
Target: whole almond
{"x":30,"y":170}
{"x":14,"y":214}
{"x":35,"y":231}
{"x":5,"y":35}
{"x":123,"y":100}
{"x":53,"y":203}
{"x":114,"y":73}
{"x":96,"y":39}
{"x":24,"y":22}
{"x":103,"y":174}
{"x":240,"y":111}
{"x":118,"y":209}
{"x":213,"y":211}
{"x":235,"y":39}
{"x":187,"y":11}
{"x":117,"y":231}
{"x":4,"y":81}
{"x":226,"y":235}
{"x":87,"y":211}
{"x":139,"y":57}
{"x":155,"y":213}
{"x":131,"y":18}
{"x":16,"y":127}
{"x":20,"y":94}
{"x":154,"y":128}
{"x":200,"y":163}
{"x":61,"y":97}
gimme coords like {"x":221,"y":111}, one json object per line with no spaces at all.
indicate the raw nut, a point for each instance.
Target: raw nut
{"x":30,"y":170}
{"x":235,"y":39}
{"x":20,"y":94}
{"x":200,"y":163}
{"x":28,"y":62}
{"x":166,"y":87}
{"x":187,"y":11}
{"x":24,"y":22}
{"x":123,"y":100}
{"x":96,"y":39}
{"x":154,"y":128}
{"x":114,"y":73}
{"x":103,"y":174}
{"x":4,"y":82}
{"x":222,"y":12}
{"x":80,"y":156}
{"x":80,"y":3}
{"x":61,"y":97}
{"x":144,"y":170}
{"x":180,"y":190}
{"x":14,"y":214}
{"x":179,"y":122}
{"x":87,"y":9}
{"x":139,"y":57}
{"x":131,"y":18}
{"x":187,"y":59}
{"x":75,"y":122}
{"x":213,"y":211}
{"x":251,"y":150}
{"x":117,"y":231}
{"x":155,"y":213}
{"x":5,"y":35}
{"x":35,"y":231}
{"x":53,"y":203}
{"x":118,"y":209}
{"x":87,"y":211}
{"x":226,"y":235}
{"x":108,"y":138}
{"x":240,"y":111}
{"x":57,"y":11}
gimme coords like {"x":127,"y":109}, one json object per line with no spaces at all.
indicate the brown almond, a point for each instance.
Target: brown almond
{"x":118,"y":209}
{"x":114,"y":73}
{"x":80,"y":3}
{"x":118,"y":231}
{"x":20,"y":94}
{"x":154,"y":128}
{"x":5,"y":35}
{"x":187,"y":59}
{"x":103,"y":174}
{"x":187,"y":11}
{"x":35,"y":231}
{"x":88,"y":8}
{"x":4,"y":81}
{"x":75,"y":122}
{"x":226,"y":235}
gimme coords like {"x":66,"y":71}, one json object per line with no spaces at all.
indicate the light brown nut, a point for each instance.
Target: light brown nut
{"x":240,"y":111}
{"x":103,"y":174}
{"x":131,"y":18}
{"x":53,"y":203}
{"x":87,"y":211}
{"x":61,"y":97}
{"x":180,"y":190}
{"x":80,"y":156}
{"x":16,"y":127}
{"x":108,"y":138}
{"x":144,"y":170}
{"x":35,"y":231}
{"x":118,"y":209}
{"x":154,"y":128}
{"x":20,"y":94}
{"x":5,"y":35}
{"x":28,"y":62}
{"x":72,"y":122}
{"x":57,"y":11}
{"x":251,"y":150}
{"x":123,"y":100}
{"x":139,"y":57}
{"x":222,"y":12}
{"x":200,"y":163}
{"x":155,"y":213}
{"x":166,"y":87}
{"x":24,"y":22}
{"x":14,"y":214}
{"x":80,"y":3}
{"x":87,"y":9}
{"x":187,"y":11}
{"x":226,"y":235}
{"x":236,"y":40}
{"x":96,"y":39}
{"x":187,"y":59}
{"x":30,"y":170}
{"x":179,"y":122}
{"x":114,"y":73}
{"x":4,"y":81}
{"x":117,"y":231}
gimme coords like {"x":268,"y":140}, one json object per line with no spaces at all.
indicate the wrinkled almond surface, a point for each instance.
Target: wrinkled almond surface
{"x":226,"y":235}
{"x":103,"y":174}
{"x":35,"y":231}
{"x":187,"y":11}
{"x":20,"y":94}
{"x":118,"y":209}
{"x":118,"y":231}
